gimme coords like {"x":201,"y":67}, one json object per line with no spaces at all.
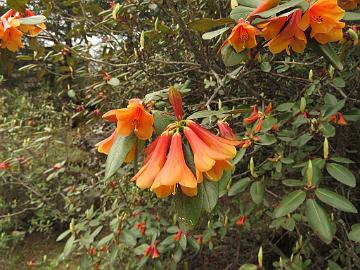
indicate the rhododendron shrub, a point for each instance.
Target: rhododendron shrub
{"x":212,"y":134}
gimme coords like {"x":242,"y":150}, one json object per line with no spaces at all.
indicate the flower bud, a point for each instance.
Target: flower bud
{"x":354,"y":36}
{"x":309,"y":174}
{"x":260,"y":258}
{"x":176,"y":102}
{"x":225,"y":131}
{"x":326,"y":148}
{"x":252,"y":167}
{"x":302,"y":105}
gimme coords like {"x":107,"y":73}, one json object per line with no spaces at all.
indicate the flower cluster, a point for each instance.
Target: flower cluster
{"x":165,"y":167}
{"x":12,"y":30}
{"x":321,"y":21}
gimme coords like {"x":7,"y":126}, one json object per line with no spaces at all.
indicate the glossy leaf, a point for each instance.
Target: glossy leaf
{"x":118,"y":153}
{"x":215,"y":33}
{"x":239,"y":186}
{"x":290,"y":203}
{"x":354,"y":234}
{"x":231,"y":57}
{"x":257,"y":192}
{"x":341,"y":174}
{"x":335,"y":200}
{"x":209,"y":191}
{"x":318,"y":220}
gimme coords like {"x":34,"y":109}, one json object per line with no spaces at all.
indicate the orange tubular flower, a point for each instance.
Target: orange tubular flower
{"x":147,"y":174}
{"x":253,"y":116}
{"x":285,"y":37}
{"x":178,"y":235}
{"x":212,"y":154}
{"x":226,"y":132}
{"x":324,"y":18}
{"x":133,"y":118}
{"x":242,"y":36}
{"x":10,"y":36}
{"x":175,"y":172}
{"x":265,"y":5}
{"x":257,"y":116}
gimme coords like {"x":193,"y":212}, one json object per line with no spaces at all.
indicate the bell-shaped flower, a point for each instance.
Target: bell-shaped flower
{"x":175,"y":172}
{"x":243,"y":36}
{"x":10,"y":35}
{"x":134,"y":118}
{"x":324,"y":16}
{"x":285,"y":33}
{"x":211,"y":153}
{"x":147,"y":174}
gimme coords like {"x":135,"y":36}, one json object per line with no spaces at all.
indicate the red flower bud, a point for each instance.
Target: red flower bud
{"x":268,"y":109}
{"x":176,"y":102}
{"x":178,"y":235}
{"x":225,"y":131}
{"x":155,"y":254}
{"x":241,"y":221}
{"x":4,"y":165}
{"x":147,"y":250}
{"x":341,"y":120}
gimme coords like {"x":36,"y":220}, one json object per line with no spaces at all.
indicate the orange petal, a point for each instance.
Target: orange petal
{"x":105,"y":145}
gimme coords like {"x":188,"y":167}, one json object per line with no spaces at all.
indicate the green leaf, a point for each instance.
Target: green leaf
{"x":265,"y":66}
{"x":162,"y":120}
{"x":215,"y":33}
{"x":105,"y":239}
{"x":354,"y":235}
{"x":285,"y":107}
{"x":278,"y":9}
{"x":339,"y":82}
{"x":239,"y":156}
{"x":333,"y":266}
{"x":114,"y":82}
{"x":33,"y":20}
{"x":267,"y":139}
{"x":318,"y":220}
{"x":18,"y":5}
{"x":69,"y":246}
{"x":290,"y":203}
{"x":341,"y":160}
{"x":193,"y":244}
{"x":223,"y":183}
{"x":328,"y":52}
{"x":330,"y":110}
{"x":248,"y":266}
{"x":241,"y":12}
{"x":188,"y":210}
{"x":209,"y":191}
{"x":205,"y":24}
{"x":293,"y":183}
{"x":351,"y":16}
{"x":128,"y":238}
{"x":302,"y":140}
{"x":231,"y":57}
{"x":119,"y":150}
{"x":341,"y":174}
{"x":257,"y":192}
{"x":352,"y":115}
{"x":335,"y":200}
{"x":239,"y":186}
{"x":63,"y":235}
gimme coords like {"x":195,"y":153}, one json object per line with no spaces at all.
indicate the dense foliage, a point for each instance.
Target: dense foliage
{"x":230,"y":140}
